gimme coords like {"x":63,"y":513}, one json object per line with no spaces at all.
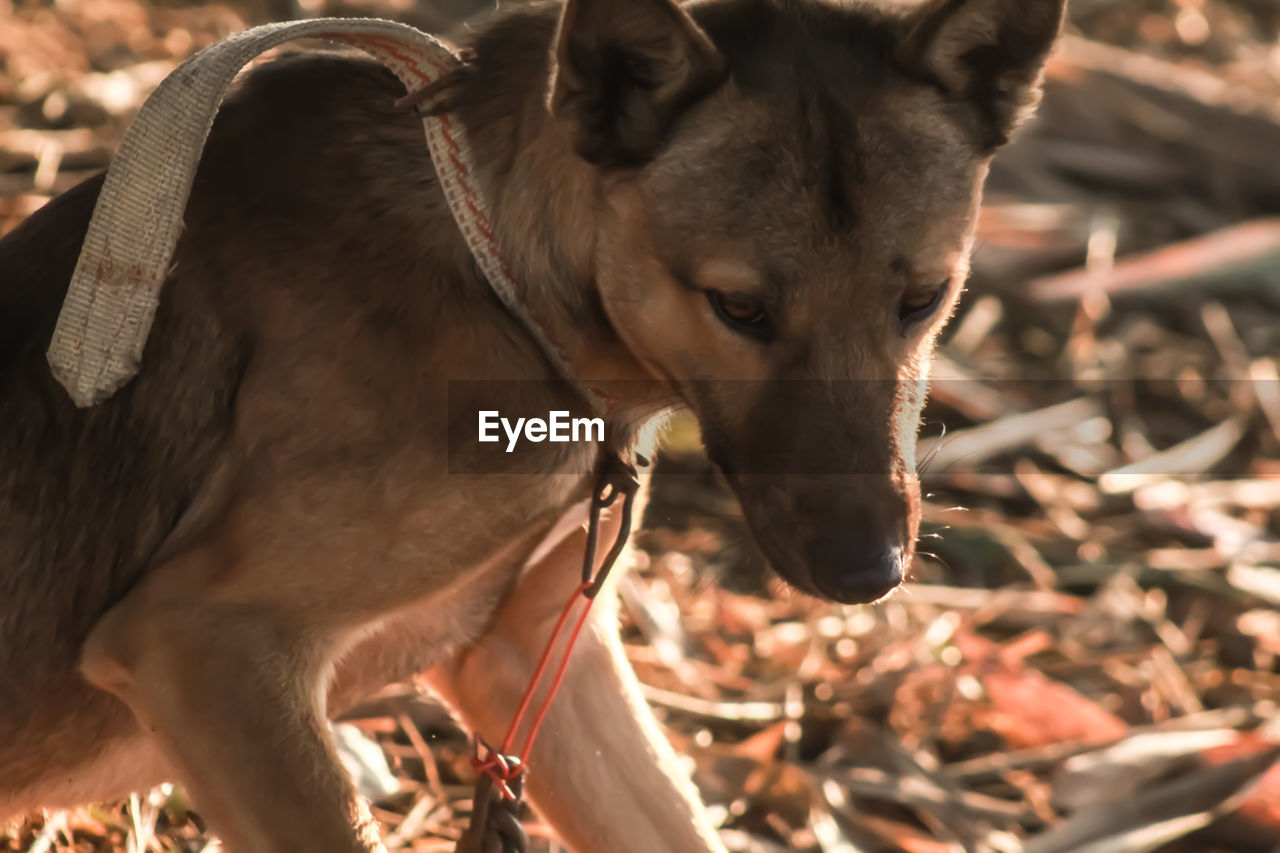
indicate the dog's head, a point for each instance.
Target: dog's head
{"x":789,"y":194}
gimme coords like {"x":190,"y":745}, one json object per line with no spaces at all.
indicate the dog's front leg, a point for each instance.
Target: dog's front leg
{"x":233,"y":694}
{"x":601,"y":772}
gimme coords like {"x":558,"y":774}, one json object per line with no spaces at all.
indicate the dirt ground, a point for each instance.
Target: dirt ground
{"x":1087,"y":659}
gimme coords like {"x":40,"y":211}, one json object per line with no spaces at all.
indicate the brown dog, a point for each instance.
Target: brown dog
{"x":289,"y":506}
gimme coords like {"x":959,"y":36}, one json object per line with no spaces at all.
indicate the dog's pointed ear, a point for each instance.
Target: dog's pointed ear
{"x":622,"y":72}
{"x":990,"y":52}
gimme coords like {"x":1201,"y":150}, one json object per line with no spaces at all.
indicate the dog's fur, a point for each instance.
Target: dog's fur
{"x":277,"y":515}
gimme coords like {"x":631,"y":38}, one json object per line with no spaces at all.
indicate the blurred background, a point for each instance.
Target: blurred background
{"x":1087,"y":657}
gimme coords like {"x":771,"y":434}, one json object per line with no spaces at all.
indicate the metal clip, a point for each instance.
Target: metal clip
{"x":615,"y":478}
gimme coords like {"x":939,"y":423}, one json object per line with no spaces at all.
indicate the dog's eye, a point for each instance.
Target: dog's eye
{"x":917,"y":304}
{"x":742,"y":313}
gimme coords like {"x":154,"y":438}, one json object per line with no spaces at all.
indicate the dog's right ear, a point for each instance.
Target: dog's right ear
{"x":622,"y":72}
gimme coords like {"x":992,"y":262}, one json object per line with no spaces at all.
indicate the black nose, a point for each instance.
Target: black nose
{"x":855,"y":570}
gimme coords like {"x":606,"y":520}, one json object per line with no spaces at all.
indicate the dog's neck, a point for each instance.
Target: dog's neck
{"x":544,"y":203}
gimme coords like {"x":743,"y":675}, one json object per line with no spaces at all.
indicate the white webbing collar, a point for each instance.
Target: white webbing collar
{"x":111,"y":302}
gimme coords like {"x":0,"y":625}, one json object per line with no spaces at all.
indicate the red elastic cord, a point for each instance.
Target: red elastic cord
{"x":500,"y":766}
{"x":497,"y":766}
{"x":556,"y":681}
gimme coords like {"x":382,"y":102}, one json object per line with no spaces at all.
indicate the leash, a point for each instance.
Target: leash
{"x":496,"y":799}
{"x":111,"y":302}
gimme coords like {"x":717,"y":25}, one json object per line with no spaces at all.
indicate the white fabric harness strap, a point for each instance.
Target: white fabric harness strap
{"x":99,"y":339}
